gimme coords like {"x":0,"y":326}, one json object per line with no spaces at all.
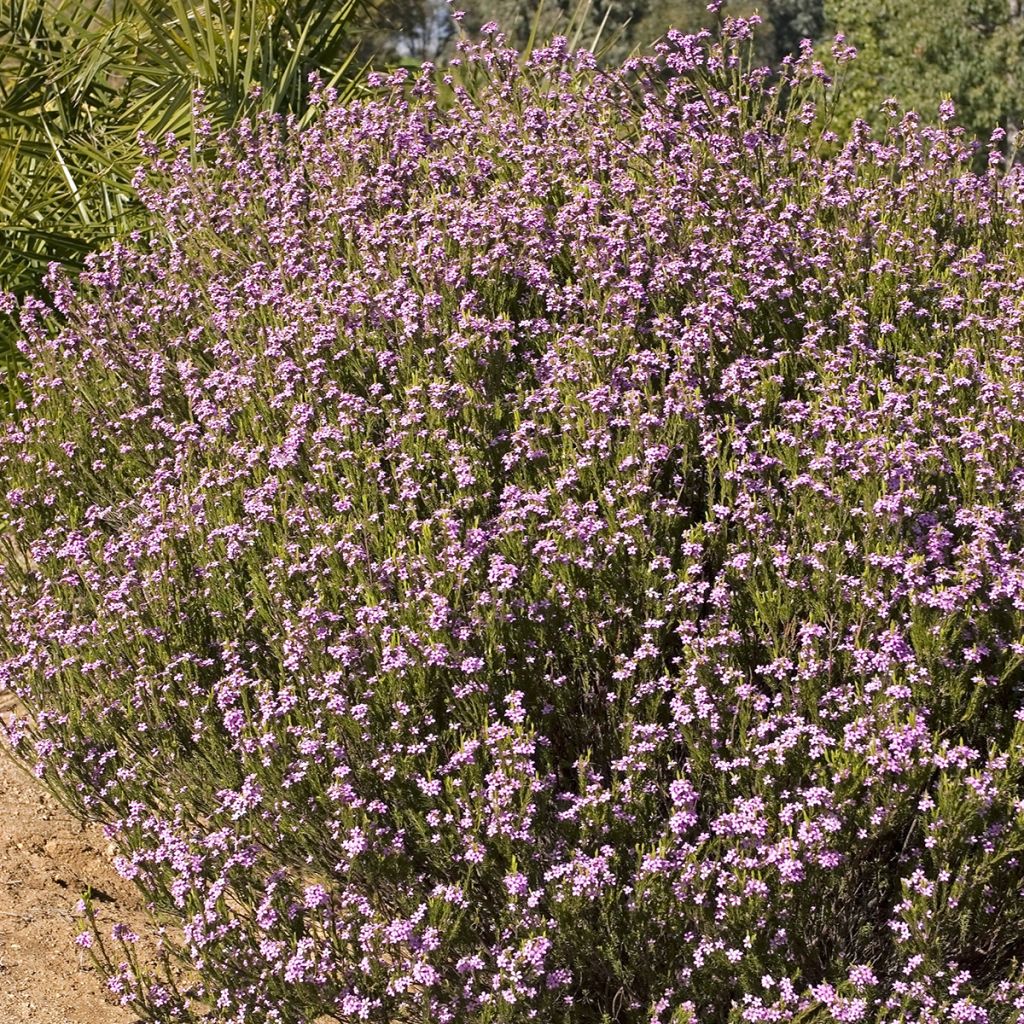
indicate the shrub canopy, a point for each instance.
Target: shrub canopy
{"x":554,"y":554}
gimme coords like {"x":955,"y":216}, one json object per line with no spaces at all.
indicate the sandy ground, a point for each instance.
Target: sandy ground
{"x":47,"y":858}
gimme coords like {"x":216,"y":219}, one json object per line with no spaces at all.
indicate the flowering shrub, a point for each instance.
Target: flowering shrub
{"x":554,"y":554}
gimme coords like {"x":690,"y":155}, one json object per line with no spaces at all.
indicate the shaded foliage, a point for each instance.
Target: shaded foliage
{"x":969,"y":50}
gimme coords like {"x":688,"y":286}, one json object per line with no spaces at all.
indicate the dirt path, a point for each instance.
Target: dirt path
{"x":46,"y":859}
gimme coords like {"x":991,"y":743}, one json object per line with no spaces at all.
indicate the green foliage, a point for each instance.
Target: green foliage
{"x":793,"y":20}
{"x":969,"y":50}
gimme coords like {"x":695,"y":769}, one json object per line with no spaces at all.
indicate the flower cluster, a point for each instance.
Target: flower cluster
{"x":544,"y":544}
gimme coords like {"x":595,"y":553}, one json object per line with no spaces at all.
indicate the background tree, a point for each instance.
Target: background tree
{"x":407,"y":31}
{"x":619,"y":26}
{"x":969,"y":50}
{"x":793,"y":20}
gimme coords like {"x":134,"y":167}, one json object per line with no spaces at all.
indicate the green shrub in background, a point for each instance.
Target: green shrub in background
{"x":969,"y":50}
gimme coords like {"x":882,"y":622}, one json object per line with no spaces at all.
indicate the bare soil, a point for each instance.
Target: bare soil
{"x":47,"y":859}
